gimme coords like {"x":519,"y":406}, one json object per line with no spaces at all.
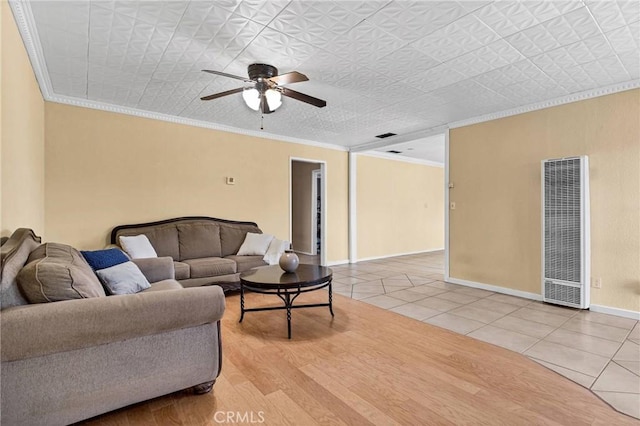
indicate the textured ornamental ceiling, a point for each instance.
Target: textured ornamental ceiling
{"x":382,"y":66}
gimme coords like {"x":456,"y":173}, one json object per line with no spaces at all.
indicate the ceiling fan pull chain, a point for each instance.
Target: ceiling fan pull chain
{"x":261,"y":121}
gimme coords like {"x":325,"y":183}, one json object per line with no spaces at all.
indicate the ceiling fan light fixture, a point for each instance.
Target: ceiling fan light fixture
{"x":267,"y":88}
{"x":274,"y":99}
{"x":251,"y":97}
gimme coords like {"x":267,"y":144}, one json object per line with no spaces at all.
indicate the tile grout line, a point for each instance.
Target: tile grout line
{"x":566,"y":368}
{"x":622,"y":366}
{"x":581,"y":350}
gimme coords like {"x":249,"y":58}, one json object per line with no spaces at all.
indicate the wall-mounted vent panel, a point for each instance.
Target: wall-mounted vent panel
{"x":565,"y":232}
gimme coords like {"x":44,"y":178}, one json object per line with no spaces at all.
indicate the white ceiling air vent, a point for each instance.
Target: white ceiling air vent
{"x":565,"y":232}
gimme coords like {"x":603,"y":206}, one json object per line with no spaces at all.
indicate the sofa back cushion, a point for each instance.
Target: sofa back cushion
{"x":58,"y":272}
{"x":232,"y":236}
{"x":175,"y":237}
{"x":199,"y":240}
{"x":163,"y":238}
{"x":14,"y":255}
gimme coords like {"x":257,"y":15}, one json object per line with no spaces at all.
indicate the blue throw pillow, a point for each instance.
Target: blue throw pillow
{"x":101,"y":259}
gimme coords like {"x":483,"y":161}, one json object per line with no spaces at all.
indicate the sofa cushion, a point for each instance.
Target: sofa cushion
{"x":255,"y":244}
{"x":163,"y":238}
{"x":232,"y":236}
{"x":156,"y":269}
{"x":198,"y":240}
{"x":100,"y":259}
{"x":244,"y":263}
{"x":164,"y":285}
{"x":58,"y":272}
{"x":138,"y":246}
{"x":183,"y":271}
{"x":210,"y":267}
{"x":124,"y":278}
{"x":15,"y":253}
{"x":275,"y":250}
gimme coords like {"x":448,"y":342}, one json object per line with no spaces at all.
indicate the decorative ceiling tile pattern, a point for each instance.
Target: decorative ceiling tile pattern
{"x":383,"y":66}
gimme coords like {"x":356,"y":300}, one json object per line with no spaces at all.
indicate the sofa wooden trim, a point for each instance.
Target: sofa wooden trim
{"x":114,"y":232}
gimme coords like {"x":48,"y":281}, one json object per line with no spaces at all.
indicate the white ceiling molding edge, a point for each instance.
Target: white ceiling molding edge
{"x":574,"y":97}
{"x":186,"y":121}
{"x":28,"y":32}
{"x":396,"y":157}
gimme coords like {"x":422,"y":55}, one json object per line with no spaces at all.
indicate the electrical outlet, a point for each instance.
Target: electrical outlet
{"x":597,"y":283}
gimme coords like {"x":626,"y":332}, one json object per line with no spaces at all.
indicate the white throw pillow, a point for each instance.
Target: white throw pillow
{"x":138,"y":247}
{"x":275,"y":250}
{"x":255,"y":244}
{"x":124,"y":278}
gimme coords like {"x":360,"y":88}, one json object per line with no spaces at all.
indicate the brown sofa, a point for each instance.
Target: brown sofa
{"x":70,"y":360}
{"x":203,"y":248}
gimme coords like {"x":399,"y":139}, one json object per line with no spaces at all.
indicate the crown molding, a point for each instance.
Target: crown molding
{"x":27,"y":28}
{"x":397,"y":157}
{"x":574,"y":97}
{"x":102,"y":106}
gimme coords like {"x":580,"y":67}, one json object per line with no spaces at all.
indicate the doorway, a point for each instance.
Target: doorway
{"x":308,"y":209}
{"x":316,"y":211}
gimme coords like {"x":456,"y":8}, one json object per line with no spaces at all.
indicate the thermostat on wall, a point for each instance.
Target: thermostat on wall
{"x":231,"y":180}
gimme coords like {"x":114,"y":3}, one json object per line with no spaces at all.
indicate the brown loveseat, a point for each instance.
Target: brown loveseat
{"x":203,"y":249}
{"x":70,"y":360}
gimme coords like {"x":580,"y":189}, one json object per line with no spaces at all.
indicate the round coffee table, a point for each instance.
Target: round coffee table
{"x":287,"y":286}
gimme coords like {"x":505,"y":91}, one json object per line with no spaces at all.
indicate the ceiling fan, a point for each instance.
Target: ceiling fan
{"x":267,"y":89}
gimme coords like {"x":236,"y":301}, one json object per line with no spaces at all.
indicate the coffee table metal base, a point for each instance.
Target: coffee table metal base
{"x":288,"y":296}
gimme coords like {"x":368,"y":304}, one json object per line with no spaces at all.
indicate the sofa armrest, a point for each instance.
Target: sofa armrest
{"x":157,"y":268}
{"x":40,"y":329}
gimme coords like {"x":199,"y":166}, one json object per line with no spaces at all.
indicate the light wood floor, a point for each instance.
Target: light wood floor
{"x":368,"y":366}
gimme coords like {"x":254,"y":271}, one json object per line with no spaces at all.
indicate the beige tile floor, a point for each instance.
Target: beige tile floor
{"x":600,"y":352}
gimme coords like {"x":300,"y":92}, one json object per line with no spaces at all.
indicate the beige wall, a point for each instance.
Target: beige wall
{"x":400,"y":207}
{"x":104,"y":169}
{"x":301,"y":181}
{"x":495,"y":167}
{"x":22,"y":135}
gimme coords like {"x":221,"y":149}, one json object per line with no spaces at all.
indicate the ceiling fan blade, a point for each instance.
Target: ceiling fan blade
{"x":302,"y":97}
{"x":224,"y":74}
{"x":289,"y":77}
{"x":221,"y":94}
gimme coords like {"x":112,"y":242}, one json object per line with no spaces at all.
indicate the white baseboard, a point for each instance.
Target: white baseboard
{"x":306,"y":253}
{"x":337,"y":262}
{"x":497,"y":289}
{"x":625,"y":313}
{"x":365,"y":259}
